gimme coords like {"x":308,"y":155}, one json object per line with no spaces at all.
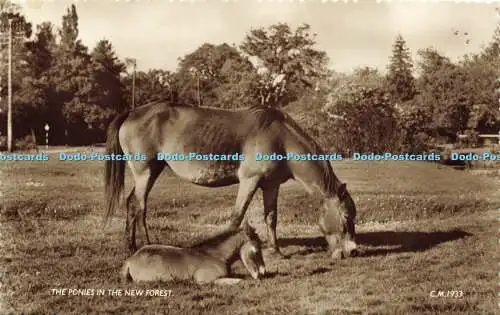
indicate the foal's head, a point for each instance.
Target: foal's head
{"x":251,"y":252}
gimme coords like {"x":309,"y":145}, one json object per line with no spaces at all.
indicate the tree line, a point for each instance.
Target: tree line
{"x":58,"y":80}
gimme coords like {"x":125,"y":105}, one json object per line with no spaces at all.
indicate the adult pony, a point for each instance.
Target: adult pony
{"x":159,"y":127}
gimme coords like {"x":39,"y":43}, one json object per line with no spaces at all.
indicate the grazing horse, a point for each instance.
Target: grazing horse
{"x":208,"y":261}
{"x":237,"y":137}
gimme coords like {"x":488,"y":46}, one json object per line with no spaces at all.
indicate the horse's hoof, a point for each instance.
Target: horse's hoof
{"x":337,"y":255}
{"x":355,"y":253}
{"x":276,"y":254}
{"x":132,"y":250}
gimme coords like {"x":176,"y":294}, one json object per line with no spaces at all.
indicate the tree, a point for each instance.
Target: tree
{"x":106,"y":96}
{"x":483,"y":85}
{"x":72,"y":74}
{"x":414,"y":121}
{"x":238,"y":84}
{"x":361,"y":115}
{"x":41,"y":50}
{"x":400,"y":80}
{"x":36,"y":92}
{"x":153,"y":85}
{"x":492,"y":51}
{"x":203,"y":73}
{"x":443,"y":88}
{"x":286,"y":60}
{"x":198,"y":75}
{"x":309,"y":111}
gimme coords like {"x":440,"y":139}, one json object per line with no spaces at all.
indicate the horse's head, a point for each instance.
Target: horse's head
{"x":337,"y":223}
{"x":251,"y":252}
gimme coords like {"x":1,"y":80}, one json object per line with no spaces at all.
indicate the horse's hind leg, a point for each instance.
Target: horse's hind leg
{"x":145,"y":174}
{"x":129,"y":243}
{"x":270,"y":196}
{"x":155,"y":169}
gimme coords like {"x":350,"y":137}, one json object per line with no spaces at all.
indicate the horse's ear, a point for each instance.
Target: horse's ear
{"x":342,"y":191}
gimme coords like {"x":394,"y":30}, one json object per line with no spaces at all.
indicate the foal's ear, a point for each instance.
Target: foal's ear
{"x":342,"y":191}
{"x":246,"y":226}
{"x":248,"y":229}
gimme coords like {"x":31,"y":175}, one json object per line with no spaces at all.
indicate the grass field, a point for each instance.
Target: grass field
{"x":421,"y":227}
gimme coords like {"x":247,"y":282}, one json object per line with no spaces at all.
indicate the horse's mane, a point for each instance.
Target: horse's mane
{"x":330,"y":181}
{"x":331,"y":184}
{"x":264,"y":116}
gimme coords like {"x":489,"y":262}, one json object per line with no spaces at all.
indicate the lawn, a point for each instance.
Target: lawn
{"x":421,"y":227}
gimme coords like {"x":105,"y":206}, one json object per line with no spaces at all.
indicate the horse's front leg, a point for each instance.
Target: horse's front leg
{"x":246,"y":190}
{"x":210,"y":271}
{"x":270,"y":196}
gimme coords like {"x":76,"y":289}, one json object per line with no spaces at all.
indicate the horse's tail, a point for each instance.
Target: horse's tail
{"x":125,"y":273}
{"x":114,"y":176}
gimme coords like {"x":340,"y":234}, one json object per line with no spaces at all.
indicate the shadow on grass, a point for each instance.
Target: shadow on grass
{"x":319,"y":271}
{"x":273,"y":274}
{"x":399,"y":242}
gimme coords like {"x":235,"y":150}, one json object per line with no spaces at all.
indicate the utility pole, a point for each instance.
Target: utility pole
{"x":132,"y":62}
{"x":133,"y":85}
{"x":198,"y":85}
{"x":11,"y":35}
{"x":9,"y":97}
{"x":196,"y":73}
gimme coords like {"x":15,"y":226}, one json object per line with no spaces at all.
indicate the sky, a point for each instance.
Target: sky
{"x":158,"y":32}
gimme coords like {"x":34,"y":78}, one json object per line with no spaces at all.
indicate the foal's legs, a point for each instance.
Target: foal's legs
{"x":270,"y":196}
{"x":246,"y":190}
{"x":227,"y":281}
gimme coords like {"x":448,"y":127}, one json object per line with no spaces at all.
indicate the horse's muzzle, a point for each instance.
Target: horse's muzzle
{"x":342,"y":254}
{"x":354,"y":253}
{"x":350,"y":249}
{"x":262,"y":270}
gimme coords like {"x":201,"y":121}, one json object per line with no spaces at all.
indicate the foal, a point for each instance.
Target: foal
{"x":208,"y":261}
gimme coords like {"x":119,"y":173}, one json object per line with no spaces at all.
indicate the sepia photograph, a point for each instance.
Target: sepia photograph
{"x":249,"y":157}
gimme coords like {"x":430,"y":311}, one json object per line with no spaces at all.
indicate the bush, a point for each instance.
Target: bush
{"x":472,"y":139}
{"x":26,"y":143}
{"x":363,"y":120}
{"x":3,"y":143}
